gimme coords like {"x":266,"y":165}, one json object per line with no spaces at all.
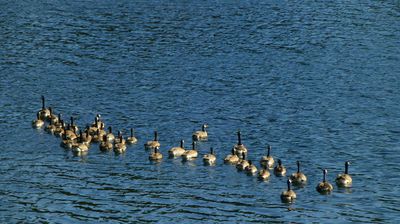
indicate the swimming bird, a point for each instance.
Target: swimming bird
{"x":279,"y":170}
{"x":38,"y":123}
{"x":177,"y":151}
{"x":243,"y":163}
{"x":120,"y":138}
{"x":232,"y":158}
{"x":153,"y":144}
{"x":52,"y":117}
{"x":240,"y":149}
{"x":110,"y":136}
{"x":324,"y":187}
{"x":44,"y":112}
{"x":105,"y":145}
{"x":200,"y":135}
{"x":267,"y":160}
{"x":73,"y":127}
{"x":86,"y":137}
{"x":190,"y":154}
{"x":289,"y":195}
{"x":156,"y":155}
{"x":132,"y":139}
{"x":298,"y":178}
{"x":99,"y":134}
{"x":60,"y":129}
{"x":251,"y":169}
{"x":66,"y":142}
{"x":70,"y":134}
{"x":264,"y":173}
{"x":80,"y":146}
{"x":50,"y":128}
{"x":120,"y":146}
{"x":210,"y":159}
{"x":344,"y":179}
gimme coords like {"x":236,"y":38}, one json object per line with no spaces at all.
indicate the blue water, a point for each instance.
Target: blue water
{"x":316,"y":80}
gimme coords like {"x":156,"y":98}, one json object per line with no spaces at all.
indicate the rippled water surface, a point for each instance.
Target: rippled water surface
{"x":317,"y":80}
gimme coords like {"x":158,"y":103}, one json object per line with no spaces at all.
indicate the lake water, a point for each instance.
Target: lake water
{"x":316,"y":80}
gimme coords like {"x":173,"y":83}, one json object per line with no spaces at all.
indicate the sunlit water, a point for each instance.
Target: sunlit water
{"x":316,"y":80}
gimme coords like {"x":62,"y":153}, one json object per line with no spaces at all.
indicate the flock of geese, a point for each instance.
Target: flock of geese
{"x":79,"y":142}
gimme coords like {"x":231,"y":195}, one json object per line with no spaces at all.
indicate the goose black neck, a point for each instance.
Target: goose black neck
{"x":212,"y":151}
{"x":182,"y":142}
{"x":288,"y":185}
{"x":239,"y":138}
{"x":110,"y":129}
{"x":203,"y":128}
{"x":279,"y":162}
{"x":324,"y":179}
{"x":132,"y":132}
{"x":269,"y":151}
{"x":194,"y":145}
{"x":155,"y":136}
{"x":51,"y":111}
{"x":38,"y":115}
{"x":244,"y":156}
{"x":59,"y":117}
{"x":346,"y":168}
{"x":43,"y":106}
{"x":233,"y":151}
{"x":80,"y":136}
{"x":298,"y":166}
{"x":72,"y":121}
{"x":119,"y":134}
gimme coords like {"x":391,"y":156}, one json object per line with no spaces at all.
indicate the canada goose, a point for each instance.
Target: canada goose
{"x":58,"y":123}
{"x":52,"y":117}
{"x":279,"y":170}
{"x":50,"y":128}
{"x":153,"y":144}
{"x":131,"y":139}
{"x":190,"y":154}
{"x":298,"y":178}
{"x":240,"y":149}
{"x":267,"y":160}
{"x":289,"y":195}
{"x":177,"y":151}
{"x":105,"y":145}
{"x":156,"y":155}
{"x":66,"y":142}
{"x":251,"y":169}
{"x":324,"y":187}
{"x":120,"y":146}
{"x":119,"y":138}
{"x":200,"y":135}
{"x":232,"y":158}
{"x":80,"y":146}
{"x":60,"y":129}
{"x":97,"y":122}
{"x":110,"y":135}
{"x":210,"y":159}
{"x":264,"y":173}
{"x":44,"y":112}
{"x":70,"y":133}
{"x":86,"y":137}
{"x":38,"y":123}
{"x":98,"y":137}
{"x":243,"y":163}
{"x":344,"y":179}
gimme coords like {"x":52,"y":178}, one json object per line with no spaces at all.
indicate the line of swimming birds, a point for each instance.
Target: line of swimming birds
{"x":80,"y":143}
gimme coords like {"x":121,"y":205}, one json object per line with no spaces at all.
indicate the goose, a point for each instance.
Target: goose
{"x":120,"y":146}
{"x":279,"y":170}
{"x":344,"y":179}
{"x":190,"y":154}
{"x":119,"y":138}
{"x":289,"y":195}
{"x":50,"y":128}
{"x":153,"y":144}
{"x":324,"y":187}
{"x":240,"y":149}
{"x":156,"y":155}
{"x":267,"y":160}
{"x":70,"y":133}
{"x":86,"y":137}
{"x":98,"y":137}
{"x":60,"y":129}
{"x":131,"y":139}
{"x":177,"y":151}
{"x":66,"y":142}
{"x":105,"y":145}
{"x":52,"y":117}
{"x":232,"y":158}
{"x":38,"y":123}
{"x":264,"y":173}
{"x":298,"y":178}
{"x":243,"y":163}
{"x":210,"y":159}
{"x":80,"y":146}
{"x":110,"y":136}
{"x":251,"y":169}
{"x":97,"y":122}
{"x":44,"y":112}
{"x":200,"y":135}
{"x":58,"y":123}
